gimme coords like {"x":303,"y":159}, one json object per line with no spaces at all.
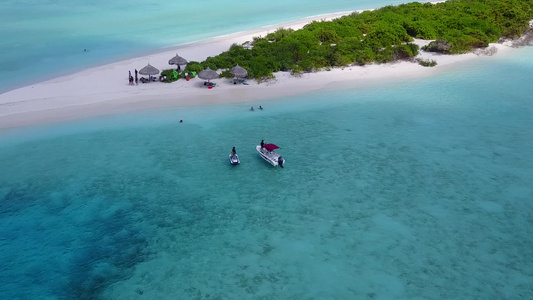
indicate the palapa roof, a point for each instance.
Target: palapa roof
{"x":177,"y":60}
{"x":149,"y":70}
{"x":239,"y":71}
{"x":208,"y":74}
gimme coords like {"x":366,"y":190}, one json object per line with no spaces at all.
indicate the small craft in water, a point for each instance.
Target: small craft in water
{"x":233,"y":157}
{"x":267,"y":153}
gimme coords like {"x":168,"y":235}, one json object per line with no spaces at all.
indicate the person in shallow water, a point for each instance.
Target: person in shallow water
{"x":252,"y":108}
{"x":260,"y":107}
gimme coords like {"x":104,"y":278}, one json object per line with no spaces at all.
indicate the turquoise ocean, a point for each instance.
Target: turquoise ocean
{"x":406,"y":189}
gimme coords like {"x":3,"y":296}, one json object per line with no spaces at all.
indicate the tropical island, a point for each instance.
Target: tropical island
{"x":355,"y":48}
{"x":377,"y":36}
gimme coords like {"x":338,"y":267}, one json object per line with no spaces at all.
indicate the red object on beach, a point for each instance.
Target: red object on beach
{"x":270,"y":147}
{"x":210,"y":87}
{"x":188,"y":79}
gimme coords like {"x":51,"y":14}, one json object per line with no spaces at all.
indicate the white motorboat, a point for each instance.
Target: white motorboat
{"x":267,"y":153}
{"x":234,"y":159}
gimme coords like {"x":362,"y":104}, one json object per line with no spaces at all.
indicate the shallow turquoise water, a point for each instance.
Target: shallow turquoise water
{"x":413,"y":189}
{"x":42,"y":39}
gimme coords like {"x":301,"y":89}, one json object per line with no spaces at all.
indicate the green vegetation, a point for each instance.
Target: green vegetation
{"x":427,"y":63}
{"x":381,"y":36}
{"x":194,"y":66}
{"x":169,"y":75}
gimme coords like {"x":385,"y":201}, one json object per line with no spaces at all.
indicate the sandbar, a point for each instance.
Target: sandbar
{"x":105,"y":89}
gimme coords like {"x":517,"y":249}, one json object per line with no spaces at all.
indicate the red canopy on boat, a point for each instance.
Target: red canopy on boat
{"x":270,"y":147}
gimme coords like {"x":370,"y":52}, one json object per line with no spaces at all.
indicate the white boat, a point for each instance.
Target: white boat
{"x":267,"y":153}
{"x":234,"y":159}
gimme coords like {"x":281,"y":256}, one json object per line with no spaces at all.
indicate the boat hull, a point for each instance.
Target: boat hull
{"x":234,"y":159}
{"x":271,"y":157}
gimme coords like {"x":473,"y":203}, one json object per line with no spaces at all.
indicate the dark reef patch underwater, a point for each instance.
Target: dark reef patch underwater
{"x":65,"y":237}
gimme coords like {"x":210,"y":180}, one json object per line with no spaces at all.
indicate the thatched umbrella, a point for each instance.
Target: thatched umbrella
{"x":239,"y":72}
{"x":177,"y":60}
{"x":208,"y":74}
{"x":149,"y":70}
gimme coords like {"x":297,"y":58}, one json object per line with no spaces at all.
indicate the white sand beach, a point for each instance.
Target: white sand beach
{"x":105,"y":90}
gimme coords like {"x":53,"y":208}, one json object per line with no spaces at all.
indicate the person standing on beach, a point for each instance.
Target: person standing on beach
{"x":136,"y":78}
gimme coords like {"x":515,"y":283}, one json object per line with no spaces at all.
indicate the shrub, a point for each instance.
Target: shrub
{"x":279,"y":34}
{"x":169,"y":73}
{"x":420,"y":30}
{"x":193,"y":66}
{"x":226,"y":74}
{"x":405,"y":51}
{"x":439,"y":46}
{"x":427,"y":63}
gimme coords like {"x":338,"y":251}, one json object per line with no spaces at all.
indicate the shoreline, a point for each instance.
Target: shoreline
{"x":104,"y":90}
